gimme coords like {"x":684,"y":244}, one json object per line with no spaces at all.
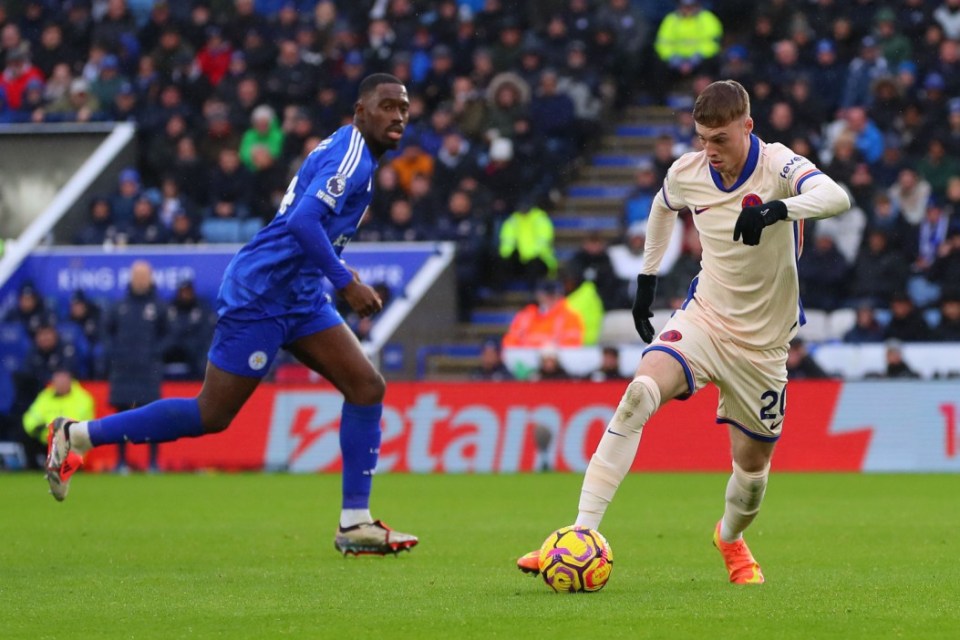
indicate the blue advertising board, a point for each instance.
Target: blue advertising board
{"x":59,"y":271}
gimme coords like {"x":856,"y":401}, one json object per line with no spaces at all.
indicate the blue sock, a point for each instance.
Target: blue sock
{"x":360,"y":447}
{"x":160,"y":421}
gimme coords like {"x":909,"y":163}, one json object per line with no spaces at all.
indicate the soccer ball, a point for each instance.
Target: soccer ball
{"x":575,"y":559}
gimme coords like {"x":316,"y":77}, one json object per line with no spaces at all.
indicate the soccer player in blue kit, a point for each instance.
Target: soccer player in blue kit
{"x":271,"y":297}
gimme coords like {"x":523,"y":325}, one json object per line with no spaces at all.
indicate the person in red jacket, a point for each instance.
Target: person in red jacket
{"x":214,"y":57}
{"x":17,"y":74}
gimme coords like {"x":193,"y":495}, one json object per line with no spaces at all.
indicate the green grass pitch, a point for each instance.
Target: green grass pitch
{"x":251,"y":556}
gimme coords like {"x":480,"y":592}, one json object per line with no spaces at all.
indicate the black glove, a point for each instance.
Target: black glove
{"x":642,"y":301}
{"x":753,"y":219}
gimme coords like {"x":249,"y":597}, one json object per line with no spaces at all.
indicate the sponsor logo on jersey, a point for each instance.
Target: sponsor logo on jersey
{"x":257,"y":360}
{"x":750,"y":200}
{"x":336,"y":185}
{"x":671,"y":336}
{"x":341,"y":240}
{"x":698,"y":210}
{"x":787,"y":168}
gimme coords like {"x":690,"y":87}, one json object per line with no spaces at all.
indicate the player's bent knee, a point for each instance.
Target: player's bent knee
{"x":217,"y":423}
{"x":639,"y":402}
{"x":215,"y":419}
{"x":370,"y":390}
{"x":216,"y":426}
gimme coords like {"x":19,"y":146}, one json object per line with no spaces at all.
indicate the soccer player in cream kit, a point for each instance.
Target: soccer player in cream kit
{"x":749,"y":200}
{"x":271,"y":297}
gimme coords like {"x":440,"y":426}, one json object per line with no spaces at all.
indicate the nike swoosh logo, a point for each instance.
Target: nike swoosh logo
{"x":609,"y":430}
{"x":774,"y":426}
{"x":698,"y":210}
{"x":755,"y":578}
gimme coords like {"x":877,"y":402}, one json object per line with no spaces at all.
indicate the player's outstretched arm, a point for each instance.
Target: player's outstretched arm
{"x":821,"y":198}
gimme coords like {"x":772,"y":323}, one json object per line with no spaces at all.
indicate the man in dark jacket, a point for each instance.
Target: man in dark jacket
{"x":190,"y":328}
{"x":134,"y":332}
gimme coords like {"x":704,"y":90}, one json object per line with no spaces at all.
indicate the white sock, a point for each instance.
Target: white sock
{"x":617,"y":449}
{"x":745,"y":491}
{"x":80,"y":437}
{"x":351,"y":517}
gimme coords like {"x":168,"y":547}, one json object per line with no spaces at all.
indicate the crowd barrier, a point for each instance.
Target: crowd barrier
{"x":497,"y":428}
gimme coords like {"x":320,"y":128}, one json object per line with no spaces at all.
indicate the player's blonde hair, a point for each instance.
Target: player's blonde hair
{"x":721,"y":103}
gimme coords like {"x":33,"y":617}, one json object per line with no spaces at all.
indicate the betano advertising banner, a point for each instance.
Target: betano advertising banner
{"x":490,"y":428}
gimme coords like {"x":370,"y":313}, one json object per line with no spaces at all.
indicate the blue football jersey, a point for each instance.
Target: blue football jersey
{"x":272,"y":272}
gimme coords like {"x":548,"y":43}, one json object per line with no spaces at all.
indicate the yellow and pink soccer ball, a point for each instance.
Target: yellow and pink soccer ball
{"x":575,"y":559}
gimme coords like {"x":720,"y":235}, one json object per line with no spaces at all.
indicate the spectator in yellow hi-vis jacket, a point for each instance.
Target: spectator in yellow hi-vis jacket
{"x":687,"y":42}
{"x":64,"y":396}
{"x":526,"y":245}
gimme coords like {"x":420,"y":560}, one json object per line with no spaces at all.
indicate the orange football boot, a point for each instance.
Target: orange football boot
{"x":529,"y":562}
{"x":741,"y":565}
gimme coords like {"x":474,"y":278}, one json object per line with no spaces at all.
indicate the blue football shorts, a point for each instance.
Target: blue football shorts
{"x":246,"y":339}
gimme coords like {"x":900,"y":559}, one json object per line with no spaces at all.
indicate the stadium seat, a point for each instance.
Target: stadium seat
{"x":617,"y":328}
{"x":931,"y":359}
{"x":586,"y":222}
{"x":577,"y":361}
{"x":840,"y":322}
{"x":882,"y":316}
{"x":72,"y":334}
{"x":659,"y":319}
{"x":851,"y":361}
{"x":14,"y":346}
{"x":12,"y":456}
{"x":619,"y":159}
{"x":249,"y":228}
{"x":220,"y":231}
{"x":816,"y":328}
{"x":855,"y":361}
{"x":922,"y":291}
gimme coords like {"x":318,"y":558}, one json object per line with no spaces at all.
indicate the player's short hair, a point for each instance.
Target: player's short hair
{"x":374,"y":80}
{"x":721,"y":103}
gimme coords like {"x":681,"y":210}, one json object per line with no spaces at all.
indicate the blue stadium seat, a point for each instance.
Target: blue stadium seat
{"x":222,"y":231}
{"x":644,"y":130}
{"x":932,"y":316}
{"x":72,"y":334}
{"x":618,"y":160}
{"x":15,"y":344}
{"x":249,"y":228}
{"x":883,"y":316}
{"x":587,"y":222}
{"x":599,"y":191}
{"x":492,"y":317}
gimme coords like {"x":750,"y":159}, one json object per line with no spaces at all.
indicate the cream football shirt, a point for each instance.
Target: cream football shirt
{"x":750,"y":294}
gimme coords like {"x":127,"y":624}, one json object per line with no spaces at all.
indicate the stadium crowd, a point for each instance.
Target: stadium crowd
{"x":507,"y":101}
